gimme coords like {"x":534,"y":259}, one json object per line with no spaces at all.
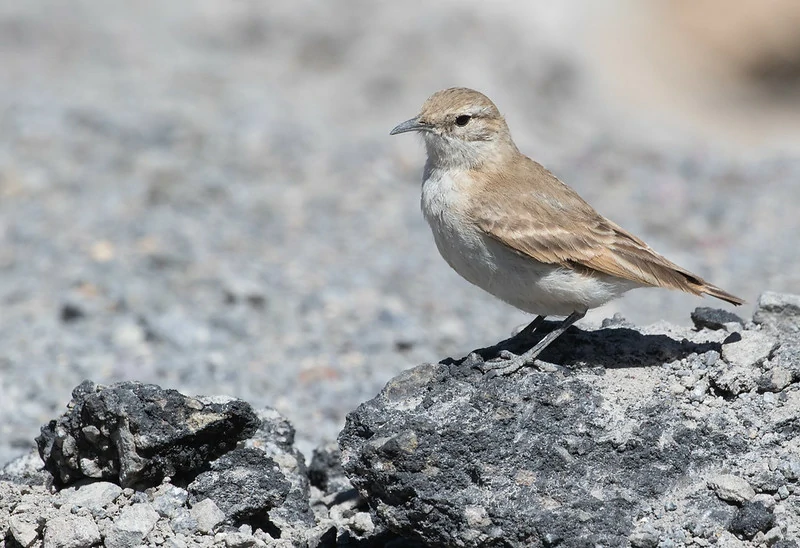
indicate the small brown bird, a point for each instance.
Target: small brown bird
{"x":509,"y":226}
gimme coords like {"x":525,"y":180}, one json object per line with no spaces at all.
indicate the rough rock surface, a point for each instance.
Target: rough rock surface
{"x":255,"y":495}
{"x":655,"y":437}
{"x":620,"y":436}
{"x":136,"y":433}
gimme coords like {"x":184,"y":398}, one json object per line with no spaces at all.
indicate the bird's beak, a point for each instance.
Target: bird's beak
{"x":410,"y":125}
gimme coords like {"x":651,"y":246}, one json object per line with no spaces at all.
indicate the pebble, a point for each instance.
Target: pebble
{"x":753,"y":348}
{"x":132,"y":526}
{"x":183,"y":522}
{"x":242,"y":540}
{"x":23,"y":531}
{"x":168,"y":499}
{"x":94,"y":496}
{"x":644,"y":539}
{"x":207,"y":515}
{"x":69,"y":531}
{"x":736,"y":380}
{"x":731,"y":488}
{"x":776,"y":379}
{"x":778,"y":311}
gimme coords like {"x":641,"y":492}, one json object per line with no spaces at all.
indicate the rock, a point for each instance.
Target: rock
{"x":446,"y":456}
{"x":731,"y":488}
{"x":325,"y":471}
{"x":752,"y":518}
{"x":23,"y":530}
{"x":242,"y":290}
{"x":244,"y":483}
{"x":71,"y":531}
{"x":135,"y":433}
{"x":183,"y":522}
{"x":27,"y":469}
{"x":751,"y":350}
{"x":168,"y":498}
{"x":644,"y":539}
{"x":91,"y":495}
{"x":242,"y":540}
{"x":775,"y":380}
{"x":714,"y":318}
{"x":778,"y":312}
{"x":275,"y":438}
{"x":71,"y":311}
{"x":735,"y":380}
{"x":207,"y":515}
{"x":132,"y":526}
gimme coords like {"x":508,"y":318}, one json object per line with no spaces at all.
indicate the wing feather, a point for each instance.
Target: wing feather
{"x":552,"y":224}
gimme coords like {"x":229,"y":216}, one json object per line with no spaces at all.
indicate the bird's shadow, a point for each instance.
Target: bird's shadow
{"x":609,"y":347}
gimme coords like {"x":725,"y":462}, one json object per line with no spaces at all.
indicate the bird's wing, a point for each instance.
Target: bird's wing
{"x":536,"y":215}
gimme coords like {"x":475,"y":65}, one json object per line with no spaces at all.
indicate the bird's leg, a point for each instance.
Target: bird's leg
{"x":528,"y":357}
{"x":530,"y":328}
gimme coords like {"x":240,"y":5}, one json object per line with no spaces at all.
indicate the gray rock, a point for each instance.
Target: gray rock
{"x":168,"y":498}
{"x":136,"y":433}
{"x":275,"y":438}
{"x":644,"y":539}
{"x":91,"y":495}
{"x":242,"y":290}
{"x":775,"y":380}
{"x":242,"y":540}
{"x":752,"y":349}
{"x":184,"y":522}
{"x":244,"y":483}
{"x":27,"y":469}
{"x":736,"y":379}
{"x":132,"y":526}
{"x":325,"y":471}
{"x":714,"y":318}
{"x":23,"y":530}
{"x":207,"y":515}
{"x":778,"y":311}
{"x":731,"y":488}
{"x":71,"y":531}
{"x":427,"y":450}
{"x":752,"y":518}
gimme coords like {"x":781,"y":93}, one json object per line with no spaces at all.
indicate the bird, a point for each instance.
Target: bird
{"x":509,"y":226}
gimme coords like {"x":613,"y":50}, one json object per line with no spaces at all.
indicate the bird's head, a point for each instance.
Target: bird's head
{"x":462,"y":128}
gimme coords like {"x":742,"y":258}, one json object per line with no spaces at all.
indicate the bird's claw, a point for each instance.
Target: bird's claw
{"x":509,"y":363}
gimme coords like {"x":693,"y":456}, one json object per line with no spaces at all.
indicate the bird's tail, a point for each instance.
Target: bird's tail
{"x":715,"y":291}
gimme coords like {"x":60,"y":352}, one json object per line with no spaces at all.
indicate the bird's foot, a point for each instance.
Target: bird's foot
{"x":511,"y":363}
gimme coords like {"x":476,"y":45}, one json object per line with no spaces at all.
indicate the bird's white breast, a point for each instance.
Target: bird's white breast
{"x":529,"y":285}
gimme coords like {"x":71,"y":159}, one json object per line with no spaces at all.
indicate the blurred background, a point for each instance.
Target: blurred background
{"x":204,"y":194}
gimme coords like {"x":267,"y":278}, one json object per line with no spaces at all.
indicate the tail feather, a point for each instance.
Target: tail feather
{"x":715,"y":291}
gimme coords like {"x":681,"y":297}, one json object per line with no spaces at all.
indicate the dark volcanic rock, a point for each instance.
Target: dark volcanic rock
{"x":574,"y":456}
{"x":275,"y":438}
{"x":751,"y":518}
{"x":136,"y":434}
{"x":713,"y":318}
{"x":244,"y":483}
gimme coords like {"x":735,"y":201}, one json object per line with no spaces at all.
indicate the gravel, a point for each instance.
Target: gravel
{"x":205,"y":196}
{"x":630,"y":429}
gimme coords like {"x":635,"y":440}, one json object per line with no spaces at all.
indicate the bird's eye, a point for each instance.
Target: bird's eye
{"x":463,"y":120}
